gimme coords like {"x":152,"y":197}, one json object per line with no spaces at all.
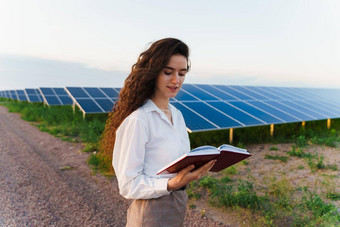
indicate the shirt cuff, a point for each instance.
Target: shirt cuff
{"x":162,"y":186}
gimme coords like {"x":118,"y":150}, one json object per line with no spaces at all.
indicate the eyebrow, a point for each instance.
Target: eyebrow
{"x":167,"y":67}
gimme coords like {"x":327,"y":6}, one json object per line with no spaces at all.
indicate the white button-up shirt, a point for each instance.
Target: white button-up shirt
{"x":145,"y":142}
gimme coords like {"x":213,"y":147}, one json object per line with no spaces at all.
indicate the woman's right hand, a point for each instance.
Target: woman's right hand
{"x":184,"y":176}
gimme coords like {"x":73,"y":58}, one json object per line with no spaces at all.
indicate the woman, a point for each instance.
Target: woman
{"x":148,"y":133}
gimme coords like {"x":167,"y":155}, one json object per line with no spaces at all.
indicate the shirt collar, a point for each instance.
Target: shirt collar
{"x":151,"y":106}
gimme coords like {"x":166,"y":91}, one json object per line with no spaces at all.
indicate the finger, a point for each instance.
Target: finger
{"x":208,"y":166}
{"x":187,"y":169}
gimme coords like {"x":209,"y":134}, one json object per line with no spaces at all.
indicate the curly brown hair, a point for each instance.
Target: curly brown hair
{"x":139,"y":85}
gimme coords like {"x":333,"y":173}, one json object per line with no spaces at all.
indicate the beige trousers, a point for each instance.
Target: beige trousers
{"x":166,"y":211}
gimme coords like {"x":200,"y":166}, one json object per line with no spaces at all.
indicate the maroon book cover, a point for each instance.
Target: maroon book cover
{"x":226,"y":155}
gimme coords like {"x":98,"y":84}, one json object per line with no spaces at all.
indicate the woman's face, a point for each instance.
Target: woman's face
{"x":171,"y":77}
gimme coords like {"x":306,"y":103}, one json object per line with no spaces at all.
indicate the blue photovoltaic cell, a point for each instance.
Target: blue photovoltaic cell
{"x":280,"y":114}
{"x":269,"y":119}
{"x":326,"y":105}
{"x":183,"y":96}
{"x":33,"y":95}
{"x":293,"y":112}
{"x":296,"y":93}
{"x":265,"y":92}
{"x":66,"y":100}
{"x":89,"y":106}
{"x":47,"y":91}
{"x":304,"y":93}
{"x":309,"y":105}
{"x":13,"y":95}
{"x":30,"y":91}
{"x":34,"y":98}
{"x":110,"y":92}
{"x":20,"y":92}
{"x":220,"y":94}
{"x":60,"y":91}
{"x":250,"y":93}
{"x":106,"y":104}
{"x":304,"y":110}
{"x":213,"y":115}
{"x":197,"y":92}
{"x":310,"y":109}
{"x":22,"y":97}
{"x":77,"y":92}
{"x":235,"y":113}
{"x":233,"y":92}
{"x":277,"y":91}
{"x":192,"y":120}
{"x":52,"y":100}
{"x":94,"y":92}
{"x":56,"y":96}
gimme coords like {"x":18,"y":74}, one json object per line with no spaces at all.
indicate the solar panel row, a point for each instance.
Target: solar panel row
{"x":210,"y":107}
{"x":94,"y":100}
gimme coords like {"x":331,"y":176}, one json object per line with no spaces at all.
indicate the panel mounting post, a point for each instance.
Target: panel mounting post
{"x":303,"y":124}
{"x":328,"y":123}
{"x":231,"y":134}
{"x":271,"y":130}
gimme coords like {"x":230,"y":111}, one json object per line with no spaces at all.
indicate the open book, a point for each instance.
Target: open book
{"x":226,"y":155}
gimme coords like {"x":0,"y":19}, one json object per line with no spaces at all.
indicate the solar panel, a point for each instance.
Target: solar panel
{"x":194,"y":121}
{"x":55,"y":96}
{"x":93,"y":99}
{"x":33,"y":95}
{"x":237,"y":113}
{"x":8,"y":94}
{"x":13,"y":95}
{"x":22,"y":95}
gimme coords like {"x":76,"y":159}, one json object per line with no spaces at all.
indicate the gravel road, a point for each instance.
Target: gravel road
{"x":36,"y":191}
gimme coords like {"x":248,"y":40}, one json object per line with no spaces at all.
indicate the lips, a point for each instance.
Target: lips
{"x":172,"y":88}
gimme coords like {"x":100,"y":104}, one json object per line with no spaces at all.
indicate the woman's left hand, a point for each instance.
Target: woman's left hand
{"x":184,"y":176}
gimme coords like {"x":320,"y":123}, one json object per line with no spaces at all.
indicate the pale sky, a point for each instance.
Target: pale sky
{"x":57,"y":43}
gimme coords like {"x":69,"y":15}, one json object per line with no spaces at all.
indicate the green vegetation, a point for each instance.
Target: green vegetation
{"x":69,"y":125}
{"x":273,"y":149}
{"x":276,"y":157}
{"x":101,"y":163}
{"x":275,"y":205}
{"x":315,"y":161}
{"x":276,"y":202}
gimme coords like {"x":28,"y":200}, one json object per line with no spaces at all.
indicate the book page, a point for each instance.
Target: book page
{"x":226,"y":147}
{"x":204,"y":150}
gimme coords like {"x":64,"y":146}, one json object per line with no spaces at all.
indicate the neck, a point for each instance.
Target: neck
{"x":162,"y":104}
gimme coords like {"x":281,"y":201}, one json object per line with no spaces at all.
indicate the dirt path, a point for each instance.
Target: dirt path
{"x":35,"y":191}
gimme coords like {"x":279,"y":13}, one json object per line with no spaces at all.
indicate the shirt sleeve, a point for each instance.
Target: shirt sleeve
{"x":128,"y":162}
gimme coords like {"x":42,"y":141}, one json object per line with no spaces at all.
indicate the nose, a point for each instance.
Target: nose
{"x":175,"y":78}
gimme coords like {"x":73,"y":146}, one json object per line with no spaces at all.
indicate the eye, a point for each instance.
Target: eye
{"x":167,"y":73}
{"x":181,"y":74}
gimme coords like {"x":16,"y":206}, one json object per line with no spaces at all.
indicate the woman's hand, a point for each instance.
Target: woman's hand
{"x":184,"y":176}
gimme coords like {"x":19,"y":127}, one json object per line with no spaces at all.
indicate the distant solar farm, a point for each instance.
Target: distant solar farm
{"x":207,"y":107}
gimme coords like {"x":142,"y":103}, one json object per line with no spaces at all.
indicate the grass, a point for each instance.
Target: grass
{"x":64,"y":123}
{"x":273,"y":148}
{"x":101,"y":163}
{"x":276,"y":205}
{"x":315,"y":161}
{"x":273,"y":202}
{"x":277,"y":157}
